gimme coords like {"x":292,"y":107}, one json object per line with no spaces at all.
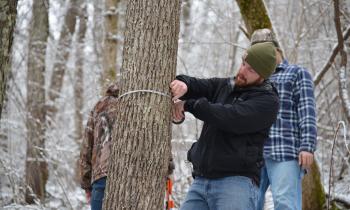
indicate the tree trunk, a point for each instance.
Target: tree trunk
{"x":314,"y":196}
{"x":62,"y":56}
{"x":110,"y":45}
{"x":8,"y":13}
{"x":79,"y":74}
{"x":186,"y":17}
{"x":141,"y":141}
{"x":36,"y":166}
{"x":79,"y":84}
{"x":255,"y":16}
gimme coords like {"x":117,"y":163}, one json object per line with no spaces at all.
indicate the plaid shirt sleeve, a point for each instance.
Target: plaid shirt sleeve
{"x":306,"y":111}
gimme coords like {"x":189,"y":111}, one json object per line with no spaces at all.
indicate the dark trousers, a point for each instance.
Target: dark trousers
{"x":97,"y":194}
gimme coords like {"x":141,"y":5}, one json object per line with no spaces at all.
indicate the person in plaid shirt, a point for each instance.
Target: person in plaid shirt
{"x":288,"y":152}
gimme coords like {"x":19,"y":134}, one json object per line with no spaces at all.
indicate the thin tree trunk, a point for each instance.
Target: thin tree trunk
{"x":79,"y":84}
{"x":36,"y":166}
{"x":61,"y":57}
{"x":342,"y":83}
{"x":79,"y":75}
{"x":110,"y":45}
{"x":8,"y":13}
{"x":141,"y":139}
{"x":255,"y":16}
{"x":186,"y":16}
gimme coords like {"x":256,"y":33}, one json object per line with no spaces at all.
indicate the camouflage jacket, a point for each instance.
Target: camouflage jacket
{"x":96,"y":145}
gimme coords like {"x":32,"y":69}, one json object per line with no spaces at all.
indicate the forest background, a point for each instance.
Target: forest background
{"x":61,"y":55}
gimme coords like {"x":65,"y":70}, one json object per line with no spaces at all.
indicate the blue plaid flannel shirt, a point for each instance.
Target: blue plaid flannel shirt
{"x":295,"y":129}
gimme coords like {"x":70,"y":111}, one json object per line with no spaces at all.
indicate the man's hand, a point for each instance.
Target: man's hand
{"x":88,"y":195}
{"x":306,"y":159}
{"x":178,"y":111}
{"x":178,"y":89}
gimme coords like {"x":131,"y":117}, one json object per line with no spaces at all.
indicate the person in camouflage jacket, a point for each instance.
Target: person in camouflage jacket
{"x":96,"y":147}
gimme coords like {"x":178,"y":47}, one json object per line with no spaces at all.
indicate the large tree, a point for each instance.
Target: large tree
{"x":141,"y":138}
{"x":8,"y":13}
{"x":36,"y":165}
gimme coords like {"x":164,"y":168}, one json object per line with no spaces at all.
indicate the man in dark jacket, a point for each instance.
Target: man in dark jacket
{"x":237,"y":115}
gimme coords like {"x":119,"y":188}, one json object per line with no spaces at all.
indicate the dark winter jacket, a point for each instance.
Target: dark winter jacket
{"x":236,"y":124}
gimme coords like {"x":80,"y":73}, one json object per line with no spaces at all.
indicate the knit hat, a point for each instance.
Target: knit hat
{"x":262,"y":58}
{"x":264,"y":35}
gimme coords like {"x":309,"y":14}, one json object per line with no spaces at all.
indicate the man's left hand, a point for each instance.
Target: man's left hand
{"x":178,"y":110}
{"x":306,"y":159}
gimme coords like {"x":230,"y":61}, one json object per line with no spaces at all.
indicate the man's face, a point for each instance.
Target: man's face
{"x":246,"y":76}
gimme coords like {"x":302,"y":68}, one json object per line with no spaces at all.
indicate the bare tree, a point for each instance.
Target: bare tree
{"x":110,"y":42}
{"x":62,"y":55}
{"x":79,"y":83}
{"x":79,"y":74}
{"x":141,"y":144}
{"x":8,"y":13}
{"x":36,"y":166}
{"x":186,"y":16}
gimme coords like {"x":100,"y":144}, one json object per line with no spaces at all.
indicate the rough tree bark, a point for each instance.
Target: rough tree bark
{"x":255,"y":16}
{"x":36,"y":166}
{"x":8,"y":13}
{"x":141,"y":139}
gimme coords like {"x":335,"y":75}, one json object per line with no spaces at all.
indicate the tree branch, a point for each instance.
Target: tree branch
{"x":342,"y":80}
{"x":318,"y":77}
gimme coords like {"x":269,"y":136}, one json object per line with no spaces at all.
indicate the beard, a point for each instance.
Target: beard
{"x":241,"y":81}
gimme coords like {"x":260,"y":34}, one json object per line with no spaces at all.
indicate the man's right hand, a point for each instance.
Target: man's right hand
{"x":178,"y":89}
{"x":88,"y":195}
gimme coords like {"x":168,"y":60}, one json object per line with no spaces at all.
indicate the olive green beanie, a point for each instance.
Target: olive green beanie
{"x":262,"y":58}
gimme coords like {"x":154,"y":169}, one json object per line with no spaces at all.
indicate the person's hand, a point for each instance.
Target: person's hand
{"x":305,"y":159}
{"x":178,"y":89}
{"x":178,"y":111}
{"x":88,"y":195}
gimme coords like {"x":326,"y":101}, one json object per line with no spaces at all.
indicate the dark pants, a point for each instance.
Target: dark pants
{"x":97,"y":194}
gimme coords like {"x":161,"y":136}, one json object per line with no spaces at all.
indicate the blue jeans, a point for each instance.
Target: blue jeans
{"x":97,"y":193}
{"x":228,"y":193}
{"x":285,"y":178}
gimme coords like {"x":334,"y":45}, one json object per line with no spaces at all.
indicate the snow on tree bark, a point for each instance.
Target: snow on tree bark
{"x":36,"y":165}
